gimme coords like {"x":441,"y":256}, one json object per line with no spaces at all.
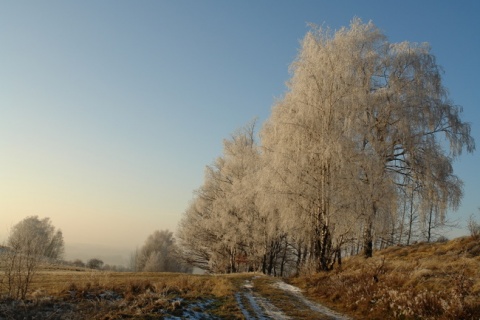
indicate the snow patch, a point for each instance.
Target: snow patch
{"x":297,"y":292}
{"x":261,"y":308}
{"x":271,"y":310}
{"x":287,"y":287}
{"x":189,"y":311}
{"x":238,"y":297}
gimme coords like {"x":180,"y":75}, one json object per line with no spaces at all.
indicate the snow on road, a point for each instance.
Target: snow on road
{"x":297,"y":292}
{"x":254,"y":306}
{"x":260,"y":308}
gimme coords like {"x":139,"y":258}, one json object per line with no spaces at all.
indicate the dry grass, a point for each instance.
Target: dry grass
{"x":422,"y":281}
{"x":190,"y":286}
{"x":67,"y":294}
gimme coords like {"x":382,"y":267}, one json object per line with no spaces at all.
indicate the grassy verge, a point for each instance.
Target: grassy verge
{"x":422,"y":281}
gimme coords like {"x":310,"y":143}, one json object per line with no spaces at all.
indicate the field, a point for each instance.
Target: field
{"x":421,"y":281}
{"x":80,"y":294}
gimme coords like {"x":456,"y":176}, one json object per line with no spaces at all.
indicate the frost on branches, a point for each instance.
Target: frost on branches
{"x":357,"y":155}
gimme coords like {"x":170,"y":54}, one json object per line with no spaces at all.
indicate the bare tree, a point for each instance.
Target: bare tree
{"x":473,"y":226}
{"x":94,"y":263}
{"x":78,"y":263}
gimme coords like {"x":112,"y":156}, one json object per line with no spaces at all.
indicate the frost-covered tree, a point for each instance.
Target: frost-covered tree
{"x":307,"y":144}
{"x":203,"y":233}
{"x":159,"y":254}
{"x":360,"y":115}
{"x":257,"y":229}
{"x":31,"y":242}
{"x":37,"y":237}
{"x":223,"y":230}
{"x":356,"y":155}
{"x":402,"y":118}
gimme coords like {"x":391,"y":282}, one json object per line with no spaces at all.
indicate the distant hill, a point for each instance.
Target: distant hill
{"x":109,"y":255}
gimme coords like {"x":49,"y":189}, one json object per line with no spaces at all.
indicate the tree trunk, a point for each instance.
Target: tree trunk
{"x":429,"y":227}
{"x":326,"y":250}
{"x":271,"y":258}
{"x":264,"y":264}
{"x":232,"y":267}
{"x":411,"y":219}
{"x":368,"y":240}
{"x":284,"y":257}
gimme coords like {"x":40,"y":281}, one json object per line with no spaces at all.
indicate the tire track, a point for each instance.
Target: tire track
{"x":254,"y":306}
{"x":258,"y":307}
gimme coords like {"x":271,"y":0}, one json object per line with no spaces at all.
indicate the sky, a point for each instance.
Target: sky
{"x":110,"y":110}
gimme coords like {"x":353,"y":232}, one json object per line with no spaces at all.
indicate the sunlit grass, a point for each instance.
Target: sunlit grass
{"x":425,"y":280}
{"x":428,"y":281}
{"x":134,"y":294}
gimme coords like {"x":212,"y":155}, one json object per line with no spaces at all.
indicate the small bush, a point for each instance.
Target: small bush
{"x":474,"y":227}
{"x":442,"y":239}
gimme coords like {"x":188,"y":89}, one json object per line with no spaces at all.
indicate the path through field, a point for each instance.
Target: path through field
{"x":267,"y":298}
{"x":253,"y":306}
{"x":162,"y":296}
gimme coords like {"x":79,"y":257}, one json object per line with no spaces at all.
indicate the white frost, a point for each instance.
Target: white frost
{"x":260,"y":306}
{"x":297,"y":292}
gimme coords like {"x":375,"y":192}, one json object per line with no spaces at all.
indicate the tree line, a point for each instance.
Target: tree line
{"x":35,"y":243}
{"x":356,"y":155}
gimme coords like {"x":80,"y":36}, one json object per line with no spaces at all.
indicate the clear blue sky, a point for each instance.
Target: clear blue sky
{"x":110,"y":110}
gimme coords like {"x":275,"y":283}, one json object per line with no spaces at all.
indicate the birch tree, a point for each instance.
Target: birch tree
{"x":360,"y":115}
{"x":404,"y":119}
{"x":305,"y":142}
{"x":361,"y":144}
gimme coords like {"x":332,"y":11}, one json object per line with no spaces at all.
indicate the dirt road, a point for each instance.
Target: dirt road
{"x":267,"y":298}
